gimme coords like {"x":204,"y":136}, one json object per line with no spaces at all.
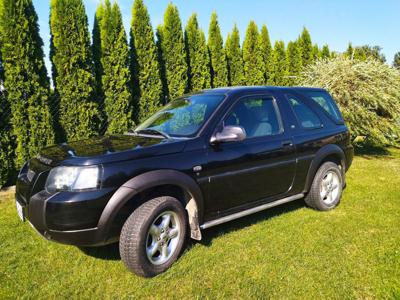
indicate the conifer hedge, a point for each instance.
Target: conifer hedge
{"x":6,"y":146}
{"x":25,"y":80}
{"x":252,"y":56}
{"x":234,"y":58}
{"x":73,"y":76}
{"x":265,"y":52}
{"x":145,"y":68}
{"x":114,"y":64}
{"x":197,"y":56}
{"x":173,"y":53}
{"x":279,"y":65}
{"x":294,"y":66}
{"x":218,"y":65}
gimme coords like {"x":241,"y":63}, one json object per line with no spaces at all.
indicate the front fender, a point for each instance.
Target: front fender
{"x":146,"y":181}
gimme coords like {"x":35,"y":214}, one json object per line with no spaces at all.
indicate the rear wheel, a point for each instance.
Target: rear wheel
{"x":326,"y":189}
{"x":153,"y":236}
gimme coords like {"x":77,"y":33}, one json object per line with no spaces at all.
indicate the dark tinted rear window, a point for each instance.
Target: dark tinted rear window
{"x":324,"y":100}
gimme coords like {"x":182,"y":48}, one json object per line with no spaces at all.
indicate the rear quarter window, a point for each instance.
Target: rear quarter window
{"x":324,"y":100}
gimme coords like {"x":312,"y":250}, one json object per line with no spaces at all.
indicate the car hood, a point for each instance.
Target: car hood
{"x":106,"y":149}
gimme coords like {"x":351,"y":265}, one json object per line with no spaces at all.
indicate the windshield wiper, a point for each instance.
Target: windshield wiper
{"x":152,"y":132}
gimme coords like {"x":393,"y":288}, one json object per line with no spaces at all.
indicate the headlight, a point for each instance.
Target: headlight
{"x":73,"y":179}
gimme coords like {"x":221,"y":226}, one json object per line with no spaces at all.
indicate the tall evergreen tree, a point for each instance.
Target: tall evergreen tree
{"x":396,"y":61}
{"x":25,"y":78}
{"x":114,"y":62}
{"x":161,"y":63}
{"x":96,"y":51}
{"x":266,"y":52}
{"x":234,"y":58}
{"x":73,"y":77}
{"x":253,"y":64}
{"x":316,"y":53}
{"x":293,"y":62}
{"x":6,"y":147}
{"x":325,"y":53}
{"x":173,"y":52}
{"x":218,"y":65}
{"x":197,"y":56}
{"x":147,"y":84}
{"x":350,"y":51}
{"x":279,"y":64}
{"x":306,"y":47}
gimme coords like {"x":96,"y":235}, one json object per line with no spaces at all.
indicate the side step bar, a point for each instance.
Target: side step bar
{"x":250,"y":211}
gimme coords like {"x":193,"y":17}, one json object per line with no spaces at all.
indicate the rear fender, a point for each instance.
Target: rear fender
{"x":320,"y":156}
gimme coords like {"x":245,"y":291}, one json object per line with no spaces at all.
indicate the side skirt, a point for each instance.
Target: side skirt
{"x":250,"y":211}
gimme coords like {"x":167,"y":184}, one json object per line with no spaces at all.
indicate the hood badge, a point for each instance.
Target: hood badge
{"x":197,"y":168}
{"x":44,"y":160}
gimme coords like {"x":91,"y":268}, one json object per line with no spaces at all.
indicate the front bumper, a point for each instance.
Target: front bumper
{"x":65,"y":217}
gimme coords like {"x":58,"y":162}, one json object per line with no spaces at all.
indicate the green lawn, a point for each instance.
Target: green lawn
{"x":285,"y":252}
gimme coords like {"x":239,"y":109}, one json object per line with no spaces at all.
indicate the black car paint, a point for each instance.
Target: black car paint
{"x":234,"y":176}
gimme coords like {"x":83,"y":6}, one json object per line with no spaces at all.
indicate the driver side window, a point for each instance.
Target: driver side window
{"x":257,"y":116}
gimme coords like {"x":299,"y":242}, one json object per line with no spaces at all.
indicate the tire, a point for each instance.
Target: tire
{"x":326,"y":190}
{"x":148,"y":245}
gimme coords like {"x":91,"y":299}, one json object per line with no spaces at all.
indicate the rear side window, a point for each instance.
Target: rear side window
{"x":305,"y":116}
{"x":324,"y":100}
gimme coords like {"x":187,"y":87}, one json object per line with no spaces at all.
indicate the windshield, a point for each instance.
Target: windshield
{"x":182,"y":117}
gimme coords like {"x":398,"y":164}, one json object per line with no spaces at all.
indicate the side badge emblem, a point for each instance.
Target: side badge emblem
{"x":197,"y":168}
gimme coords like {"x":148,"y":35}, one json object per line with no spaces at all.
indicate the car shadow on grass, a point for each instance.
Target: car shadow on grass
{"x":111,"y":252}
{"x":107,"y":252}
{"x":209,"y":234}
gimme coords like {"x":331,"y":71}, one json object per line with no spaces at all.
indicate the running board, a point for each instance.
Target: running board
{"x":250,"y":211}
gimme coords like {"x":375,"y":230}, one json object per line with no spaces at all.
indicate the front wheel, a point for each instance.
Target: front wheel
{"x":326,"y":189}
{"x":153,"y":236}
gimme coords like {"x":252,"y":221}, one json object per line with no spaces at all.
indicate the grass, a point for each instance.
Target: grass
{"x":286,"y":252}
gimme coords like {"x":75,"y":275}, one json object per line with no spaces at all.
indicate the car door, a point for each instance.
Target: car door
{"x":259,"y":167}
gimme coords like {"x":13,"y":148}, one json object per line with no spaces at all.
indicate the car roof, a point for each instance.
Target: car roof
{"x":240,"y":89}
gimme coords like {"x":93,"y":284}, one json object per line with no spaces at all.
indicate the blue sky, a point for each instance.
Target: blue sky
{"x":332,"y":22}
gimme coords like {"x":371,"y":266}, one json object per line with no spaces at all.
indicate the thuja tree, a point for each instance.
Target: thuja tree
{"x":73,"y":77}
{"x":25,"y":79}
{"x":306,"y":47}
{"x":6,"y":157}
{"x":396,"y":61}
{"x":218,"y":65}
{"x":279,"y":70}
{"x":173,"y":52}
{"x":253,"y":64}
{"x":197,"y":56}
{"x":234,"y":58}
{"x":147,"y":86}
{"x":114,"y":61}
{"x":325,"y":52}
{"x":265,"y":52}
{"x":293,"y":62}
{"x":367,"y":92}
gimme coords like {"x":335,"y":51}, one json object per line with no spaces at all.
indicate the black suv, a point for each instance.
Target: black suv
{"x":202,"y":160}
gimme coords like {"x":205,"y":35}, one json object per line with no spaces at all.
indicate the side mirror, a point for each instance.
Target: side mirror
{"x":229,"y":134}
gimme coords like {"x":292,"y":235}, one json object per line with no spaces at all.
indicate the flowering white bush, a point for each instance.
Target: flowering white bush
{"x":368,"y":93}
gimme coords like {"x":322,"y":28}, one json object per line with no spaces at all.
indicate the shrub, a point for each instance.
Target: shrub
{"x":367,"y":92}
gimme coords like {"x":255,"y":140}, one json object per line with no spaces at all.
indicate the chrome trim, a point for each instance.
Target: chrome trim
{"x":250,"y":211}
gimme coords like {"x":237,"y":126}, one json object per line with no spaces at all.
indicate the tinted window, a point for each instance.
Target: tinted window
{"x":183,"y":116}
{"x":324,"y":100}
{"x":257,"y":116}
{"x":306,"y":117}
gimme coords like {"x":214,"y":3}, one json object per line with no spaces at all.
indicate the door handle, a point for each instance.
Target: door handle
{"x":287,"y":144}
